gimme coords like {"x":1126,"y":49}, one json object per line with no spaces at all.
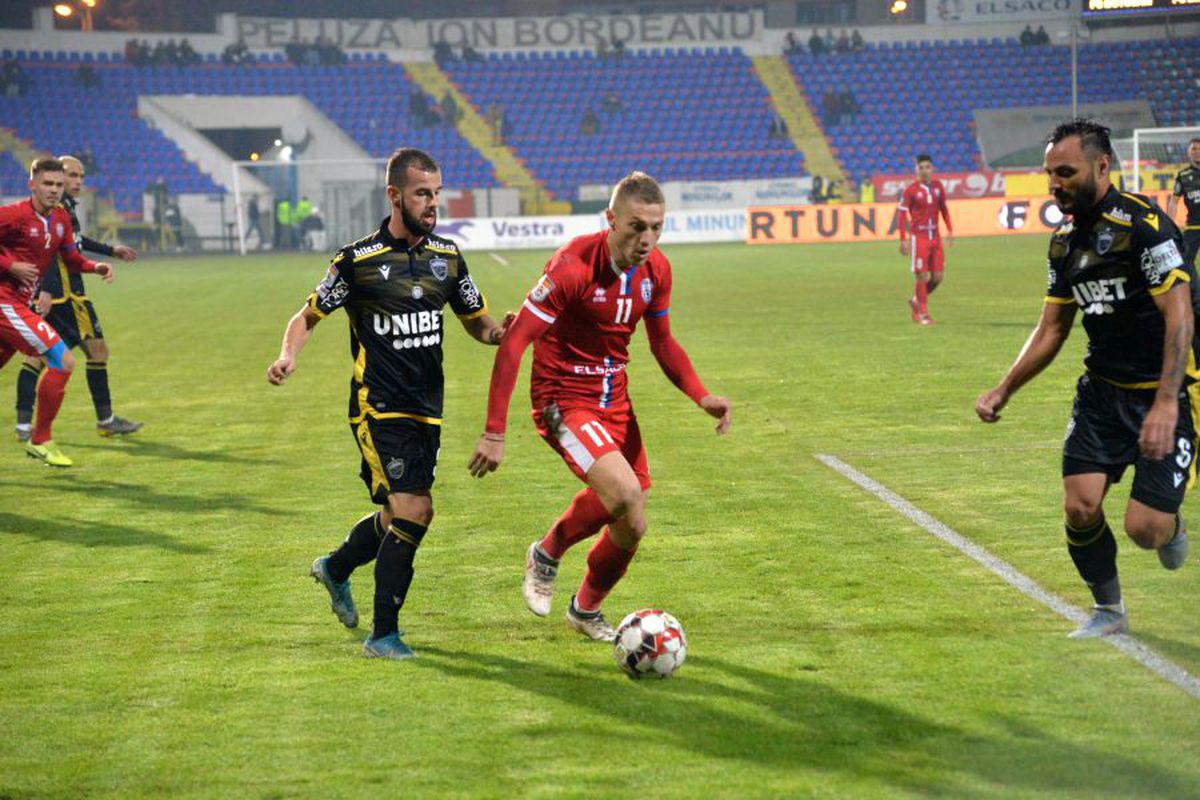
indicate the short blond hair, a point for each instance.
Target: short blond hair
{"x":637,"y":186}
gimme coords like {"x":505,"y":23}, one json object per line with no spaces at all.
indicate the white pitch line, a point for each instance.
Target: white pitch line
{"x":499,"y":259}
{"x":1126,"y":644}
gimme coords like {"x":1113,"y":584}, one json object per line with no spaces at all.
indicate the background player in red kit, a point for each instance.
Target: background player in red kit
{"x":920,"y":205}
{"x":580,"y":317}
{"x":32,"y":233}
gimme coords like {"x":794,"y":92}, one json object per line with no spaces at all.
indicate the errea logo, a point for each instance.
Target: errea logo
{"x":361,"y":252}
{"x":1120,"y":214}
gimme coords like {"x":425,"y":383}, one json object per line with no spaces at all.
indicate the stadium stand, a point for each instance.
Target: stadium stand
{"x":14,"y":177}
{"x":901,"y":115}
{"x":679,"y":109}
{"x":368,"y":98}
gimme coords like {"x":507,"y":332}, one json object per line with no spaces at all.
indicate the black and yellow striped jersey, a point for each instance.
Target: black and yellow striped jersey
{"x":1112,"y":262}
{"x":1187,"y":186}
{"x":394,"y":296}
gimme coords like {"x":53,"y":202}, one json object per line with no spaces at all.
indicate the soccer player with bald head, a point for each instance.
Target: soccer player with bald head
{"x":579,"y":317}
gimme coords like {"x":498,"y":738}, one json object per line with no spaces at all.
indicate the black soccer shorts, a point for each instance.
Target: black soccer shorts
{"x":1102,"y":436}
{"x":398,"y":455}
{"x":75,"y":321}
{"x":1191,"y":244}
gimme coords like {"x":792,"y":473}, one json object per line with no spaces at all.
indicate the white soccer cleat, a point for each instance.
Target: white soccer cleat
{"x":538,"y":588}
{"x":1103,"y":622}
{"x":591,"y":624}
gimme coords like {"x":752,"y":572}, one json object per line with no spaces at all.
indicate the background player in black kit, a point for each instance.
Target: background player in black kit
{"x":394,"y":285}
{"x":63,"y":303}
{"x":1187,"y":186}
{"x":1118,"y":261}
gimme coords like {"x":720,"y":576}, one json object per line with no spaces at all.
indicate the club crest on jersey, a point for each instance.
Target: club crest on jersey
{"x":385,"y":270}
{"x":647,"y":290}
{"x":1103,"y":242}
{"x":440,"y":268}
{"x":58,"y":229}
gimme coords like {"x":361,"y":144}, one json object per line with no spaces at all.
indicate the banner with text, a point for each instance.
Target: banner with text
{"x":873,"y":222}
{"x":959,"y":185}
{"x":580,"y":31}
{"x":551,"y":233}
{"x":940,"y":12}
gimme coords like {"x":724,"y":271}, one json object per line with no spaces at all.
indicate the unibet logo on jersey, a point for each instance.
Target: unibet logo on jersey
{"x":415,"y":329}
{"x":1097,"y":297}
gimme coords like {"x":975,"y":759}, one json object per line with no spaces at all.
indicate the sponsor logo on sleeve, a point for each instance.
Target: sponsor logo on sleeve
{"x":1160,"y":259}
{"x":542,"y":289}
{"x":469,"y":292}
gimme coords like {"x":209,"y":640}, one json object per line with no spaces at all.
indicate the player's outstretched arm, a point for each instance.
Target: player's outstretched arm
{"x":485,"y":330}
{"x":299,"y":329}
{"x":1157,"y":437}
{"x":1039,"y":351}
{"x":520,"y":333}
{"x":105,"y":271}
{"x":125,"y":252}
{"x":674,"y":362}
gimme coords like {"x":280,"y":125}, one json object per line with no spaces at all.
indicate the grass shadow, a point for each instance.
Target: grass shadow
{"x":92,"y":534}
{"x":150,"y":448}
{"x":140,"y":494}
{"x":723,"y":710}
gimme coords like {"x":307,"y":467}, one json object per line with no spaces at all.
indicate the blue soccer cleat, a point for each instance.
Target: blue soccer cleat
{"x":390,"y":646}
{"x":341,"y":602}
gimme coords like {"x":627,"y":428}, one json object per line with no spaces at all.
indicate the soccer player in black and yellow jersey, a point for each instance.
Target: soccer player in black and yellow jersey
{"x":64,"y":304}
{"x":1118,"y":261}
{"x":1187,"y":186}
{"x":394,"y":284}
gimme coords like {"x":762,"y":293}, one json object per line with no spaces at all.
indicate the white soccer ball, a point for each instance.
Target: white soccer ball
{"x":650,"y":643}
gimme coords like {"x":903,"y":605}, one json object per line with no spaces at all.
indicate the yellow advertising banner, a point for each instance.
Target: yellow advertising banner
{"x":873,"y":222}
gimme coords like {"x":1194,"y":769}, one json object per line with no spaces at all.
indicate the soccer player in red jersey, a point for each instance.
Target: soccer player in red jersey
{"x":920,"y":240}
{"x":32,"y":233}
{"x":580,"y":316}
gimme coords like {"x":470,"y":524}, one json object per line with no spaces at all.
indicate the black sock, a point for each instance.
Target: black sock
{"x":27,"y":380}
{"x":359,"y":548}
{"x":97,"y":378}
{"x":1094,"y":551}
{"x":394,"y":573}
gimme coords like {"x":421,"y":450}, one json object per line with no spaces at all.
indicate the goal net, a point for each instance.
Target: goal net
{"x":1152,"y":150}
{"x":323,"y":201}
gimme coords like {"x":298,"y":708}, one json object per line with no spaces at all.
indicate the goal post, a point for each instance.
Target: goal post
{"x":1157,"y":147}
{"x":345,"y":193}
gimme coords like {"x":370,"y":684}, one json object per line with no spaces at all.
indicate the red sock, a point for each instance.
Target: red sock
{"x":922,"y":295}
{"x":583,"y":518}
{"x":606,"y":565}
{"x":51,"y":389}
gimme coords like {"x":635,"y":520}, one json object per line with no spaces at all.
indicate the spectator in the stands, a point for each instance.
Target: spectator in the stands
{"x":790,"y":44}
{"x":843,"y":43}
{"x":856,"y":41}
{"x":470,"y":55}
{"x":442,"y":54}
{"x":816,"y":45}
{"x":589,"y":124}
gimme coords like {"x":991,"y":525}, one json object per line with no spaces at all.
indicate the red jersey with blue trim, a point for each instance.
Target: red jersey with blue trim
{"x":26,"y":235}
{"x":593,"y":308}
{"x":919,"y":208}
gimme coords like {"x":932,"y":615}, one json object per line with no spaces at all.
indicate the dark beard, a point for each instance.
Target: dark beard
{"x":414,"y":225}
{"x":1084,"y":200}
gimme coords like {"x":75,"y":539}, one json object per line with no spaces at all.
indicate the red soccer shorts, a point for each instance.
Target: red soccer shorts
{"x":23,"y":330}
{"x":927,"y":255}
{"x":582,"y":435}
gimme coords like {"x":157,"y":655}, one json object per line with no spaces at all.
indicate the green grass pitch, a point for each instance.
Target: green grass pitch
{"x":159,"y":636}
